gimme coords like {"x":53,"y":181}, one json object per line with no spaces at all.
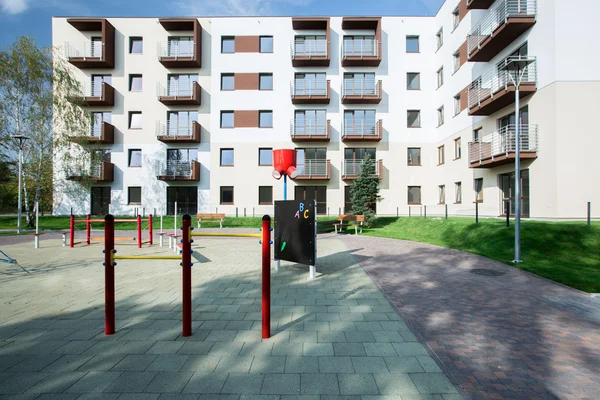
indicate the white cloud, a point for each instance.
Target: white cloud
{"x":235,"y":7}
{"x":14,"y":6}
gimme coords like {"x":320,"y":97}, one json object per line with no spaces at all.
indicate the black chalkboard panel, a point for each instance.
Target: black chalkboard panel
{"x":295,"y":231}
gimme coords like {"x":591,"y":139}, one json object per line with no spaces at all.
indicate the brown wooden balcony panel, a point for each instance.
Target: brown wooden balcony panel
{"x":107,"y":98}
{"x":308,"y":23}
{"x":502,"y":159}
{"x":365,"y":99}
{"x":195,"y":137}
{"x":479,"y":4}
{"x":311,"y":138}
{"x":195,"y":99}
{"x":502,"y":98}
{"x":361,"y":138}
{"x":311,"y":99}
{"x":503,"y":36}
{"x":180,"y":62}
{"x":313,"y":61}
{"x":194,"y":177}
{"x":184,"y":24}
{"x":107,"y":32}
{"x":361,"y":61}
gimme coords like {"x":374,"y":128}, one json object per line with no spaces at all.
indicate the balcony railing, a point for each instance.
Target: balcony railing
{"x":493,"y":86}
{"x":98,"y":94}
{"x":172,"y":49}
{"x":314,"y":169}
{"x":102,"y":133}
{"x":306,"y":91}
{"x":179,"y":94}
{"x":310,"y":130}
{"x":361,"y":91}
{"x":361,"y":52}
{"x":96,"y":171}
{"x":365,"y":131}
{"x":495,"y":26}
{"x":84,"y":50}
{"x":178,"y":170}
{"x":499,"y":147}
{"x":177,"y":133}
{"x":315,"y":48}
{"x":352,"y":168}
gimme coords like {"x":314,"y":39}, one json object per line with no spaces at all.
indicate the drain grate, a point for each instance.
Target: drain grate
{"x":486,"y":272}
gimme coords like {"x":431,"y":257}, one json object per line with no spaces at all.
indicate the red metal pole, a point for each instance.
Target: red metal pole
{"x":109,"y":275}
{"x":88,"y":229}
{"x":139,"y":229}
{"x":72,"y":230}
{"x":150,"y":229}
{"x":186,"y":269}
{"x":266,"y":277}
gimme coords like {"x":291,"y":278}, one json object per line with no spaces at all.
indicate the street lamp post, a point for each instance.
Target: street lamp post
{"x":21,"y":139}
{"x":516,"y":67}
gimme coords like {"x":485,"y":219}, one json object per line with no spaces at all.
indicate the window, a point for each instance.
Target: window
{"x":440,"y":114}
{"x":265,"y":119}
{"x":309,"y":46}
{"x":98,"y":118}
{"x":135,"y":120}
{"x":313,"y":193}
{"x":226,"y":158}
{"x":478,"y":186}
{"x":440,"y":38}
{"x":265,"y":195}
{"x":181,"y":85}
{"x":440,"y":77}
{"x":265,"y":156}
{"x":180,"y":46}
{"x":181,"y":122}
{"x":441,"y":155}
{"x":414,"y":195}
{"x":457,"y":192}
{"x":100,"y":156}
{"x":413,"y":81}
{"x":227,"y":82}
{"x":412,"y":44}
{"x":442,"y":194}
{"x":98,"y":82}
{"x":226,"y":119}
{"x":358,"y":84}
{"x":476,"y":133}
{"x":96,"y":46}
{"x":265,"y":82}
{"x":134,"y":195}
{"x":360,"y":122}
{"x":227,"y":44}
{"x":266,"y":44}
{"x":136,"y":45}
{"x":414,"y":156}
{"x":457,"y":104}
{"x":135,"y":158}
{"x":455,"y":18}
{"x":456,"y":60}
{"x":226,"y":195}
{"x":457,"y":148}
{"x":135,"y":83}
{"x":310,"y":122}
{"x":311,"y":84}
{"x":414,"y":118}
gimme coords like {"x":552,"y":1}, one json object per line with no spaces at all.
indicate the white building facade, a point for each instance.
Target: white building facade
{"x":188,"y":110}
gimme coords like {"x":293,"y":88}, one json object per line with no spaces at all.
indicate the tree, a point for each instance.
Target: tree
{"x":39,"y":98}
{"x":364,"y":192}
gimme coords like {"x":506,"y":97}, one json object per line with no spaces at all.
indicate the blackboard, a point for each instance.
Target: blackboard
{"x":295,"y":238}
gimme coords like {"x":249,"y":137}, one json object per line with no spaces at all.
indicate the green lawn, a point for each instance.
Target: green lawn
{"x":565,"y":252}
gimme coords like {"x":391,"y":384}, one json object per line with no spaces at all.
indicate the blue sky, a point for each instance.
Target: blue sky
{"x":33,"y":17}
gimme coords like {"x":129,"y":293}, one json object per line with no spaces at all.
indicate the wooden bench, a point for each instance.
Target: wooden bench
{"x":359,"y":221}
{"x":343,"y":220}
{"x":210,"y":217}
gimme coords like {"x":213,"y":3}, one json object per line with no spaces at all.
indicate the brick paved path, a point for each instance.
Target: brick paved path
{"x":335,"y":338}
{"x":501,"y":332}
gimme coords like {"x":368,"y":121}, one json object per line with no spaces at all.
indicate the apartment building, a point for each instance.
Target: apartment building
{"x":187,"y":110}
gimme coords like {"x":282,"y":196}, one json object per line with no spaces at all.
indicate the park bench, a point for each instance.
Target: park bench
{"x":358,"y":222}
{"x":348,"y":220}
{"x":210,"y":217}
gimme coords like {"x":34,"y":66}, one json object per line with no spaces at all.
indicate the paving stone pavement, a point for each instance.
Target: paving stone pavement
{"x":334,"y":338}
{"x":508,"y":336}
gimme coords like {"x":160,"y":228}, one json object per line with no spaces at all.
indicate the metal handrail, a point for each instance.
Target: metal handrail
{"x":174,"y":130}
{"x":174,"y":168}
{"x":360,"y":48}
{"x":175,"y":49}
{"x":308,"y":128}
{"x":176,"y":91}
{"x":498,"y":15}
{"x":312,"y":168}
{"x":309,"y":48}
{"x":93,"y":89}
{"x":364,"y":129}
{"x":305,"y":87}
{"x":84,"y":50}
{"x":503,"y":141}
{"x":354,"y":167}
{"x":93,"y":170}
{"x":487,"y":85}
{"x":361,"y":87}
{"x":96,"y":129}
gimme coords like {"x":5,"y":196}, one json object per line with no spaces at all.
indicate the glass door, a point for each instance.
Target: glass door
{"x":100,"y":200}
{"x":507,"y":186}
{"x":186,"y":198}
{"x":96,"y":47}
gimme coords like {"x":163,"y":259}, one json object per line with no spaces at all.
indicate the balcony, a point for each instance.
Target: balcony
{"x":499,"y":148}
{"x":479,"y":4}
{"x":103,"y":133}
{"x":99,"y":94}
{"x":495,"y":90}
{"x":179,"y":95}
{"x":351,"y":169}
{"x":502,"y":24}
{"x":310,"y":53}
{"x":97,"y":172}
{"x":174,"y":133}
{"x":304,"y":91}
{"x":363,"y":132}
{"x":181,"y":53}
{"x":361,"y":91}
{"x":310,"y":131}
{"x":361,"y":53}
{"x":314,"y":170}
{"x":92,"y":54}
{"x":171,"y":171}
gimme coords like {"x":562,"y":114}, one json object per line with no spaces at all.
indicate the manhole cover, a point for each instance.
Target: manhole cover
{"x":486,"y":272}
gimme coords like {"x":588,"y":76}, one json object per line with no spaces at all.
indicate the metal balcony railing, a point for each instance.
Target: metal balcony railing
{"x":309,"y":87}
{"x":496,"y":16}
{"x":360,"y":48}
{"x":93,"y":89}
{"x":84,"y":50}
{"x":96,"y":130}
{"x":174,"y":169}
{"x":91,"y":170}
{"x":174,"y":129}
{"x":176,"y":49}
{"x":313,"y":168}
{"x":309,"y":48}
{"x":364,"y":129}
{"x":361,"y":87}
{"x":309,"y":128}
{"x":175,"y":90}
{"x":486,"y":86}
{"x":502,"y":142}
{"x":353,"y":167}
